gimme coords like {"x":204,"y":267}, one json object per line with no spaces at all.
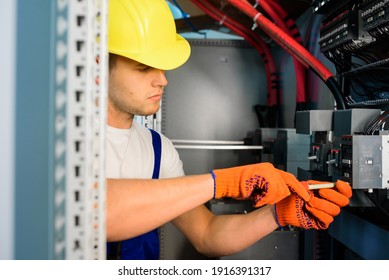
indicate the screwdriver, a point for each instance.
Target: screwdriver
{"x":321,"y":186}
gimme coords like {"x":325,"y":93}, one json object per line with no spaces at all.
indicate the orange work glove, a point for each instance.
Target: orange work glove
{"x":294,"y":185}
{"x":339,"y":195}
{"x":261,"y":182}
{"x":318,"y":211}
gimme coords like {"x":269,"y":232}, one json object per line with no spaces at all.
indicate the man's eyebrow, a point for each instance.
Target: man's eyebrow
{"x":137,"y":64}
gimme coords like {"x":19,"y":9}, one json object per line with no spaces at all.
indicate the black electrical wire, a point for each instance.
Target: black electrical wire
{"x":363,"y":90}
{"x":338,"y":59}
{"x":377,"y":122}
{"x":380,"y":122}
{"x":376,"y":86}
{"x":377,"y":204}
{"x":368,"y":80}
{"x":368,"y":67}
{"x":370,"y":60}
{"x":338,"y":95}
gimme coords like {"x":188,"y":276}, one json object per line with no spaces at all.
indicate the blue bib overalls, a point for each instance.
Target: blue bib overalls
{"x":145,"y":246}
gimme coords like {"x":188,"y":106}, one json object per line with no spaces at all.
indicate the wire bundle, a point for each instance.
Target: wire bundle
{"x":293,"y":48}
{"x":287,"y":24}
{"x":376,"y":124}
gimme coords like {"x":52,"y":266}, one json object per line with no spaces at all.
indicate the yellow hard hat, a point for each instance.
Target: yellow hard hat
{"x":145,"y":31}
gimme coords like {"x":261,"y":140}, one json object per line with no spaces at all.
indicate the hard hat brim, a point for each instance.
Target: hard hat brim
{"x":167,"y":58}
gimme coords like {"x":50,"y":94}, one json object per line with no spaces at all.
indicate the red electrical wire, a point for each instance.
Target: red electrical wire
{"x":295,"y":33}
{"x":252,"y":39}
{"x":290,"y":23}
{"x":292,"y":47}
{"x":265,"y":5}
{"x":283,"y":39}
{"x":299,"y":68}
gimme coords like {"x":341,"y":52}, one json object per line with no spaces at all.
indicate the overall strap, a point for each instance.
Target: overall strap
{"x":157,"y":146}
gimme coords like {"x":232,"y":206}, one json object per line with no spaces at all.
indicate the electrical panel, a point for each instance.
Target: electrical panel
{"x":353,"y":36}
{"x":375,"y":17}
{"x":352,"y":144}
{"x":354,"y":149}
{"x":343,"y":31}
{"x":346,"y":152}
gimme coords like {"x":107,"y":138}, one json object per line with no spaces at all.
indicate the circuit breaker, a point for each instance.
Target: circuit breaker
{"x":368,"y":166}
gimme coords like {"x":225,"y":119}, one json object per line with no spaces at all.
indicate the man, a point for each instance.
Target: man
{"x":143,"y":44}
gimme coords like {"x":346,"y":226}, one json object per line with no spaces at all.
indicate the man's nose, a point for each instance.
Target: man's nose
{"x":162,"y":81}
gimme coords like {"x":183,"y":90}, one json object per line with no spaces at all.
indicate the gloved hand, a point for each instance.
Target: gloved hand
{"x":318,"y":211}
{"x":261,"y":182}
{"x":339,"y":195}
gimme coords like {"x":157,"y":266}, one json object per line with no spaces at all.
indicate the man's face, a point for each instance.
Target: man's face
{"x":134,"y":88}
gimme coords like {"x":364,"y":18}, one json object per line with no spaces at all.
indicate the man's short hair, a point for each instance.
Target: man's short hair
{"x":112,"y":61}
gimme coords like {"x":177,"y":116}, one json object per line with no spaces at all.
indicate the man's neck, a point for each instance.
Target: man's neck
{"x":118,"y":119}
{"x":120,"y":122}
{"x":123,"y":124}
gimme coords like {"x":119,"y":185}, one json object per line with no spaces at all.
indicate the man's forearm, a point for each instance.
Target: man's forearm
{"x":136,"y":206}
{"x":229,"y":234}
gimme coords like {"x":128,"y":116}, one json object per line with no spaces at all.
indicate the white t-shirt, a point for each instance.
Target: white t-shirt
{"x":130,"y":154}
